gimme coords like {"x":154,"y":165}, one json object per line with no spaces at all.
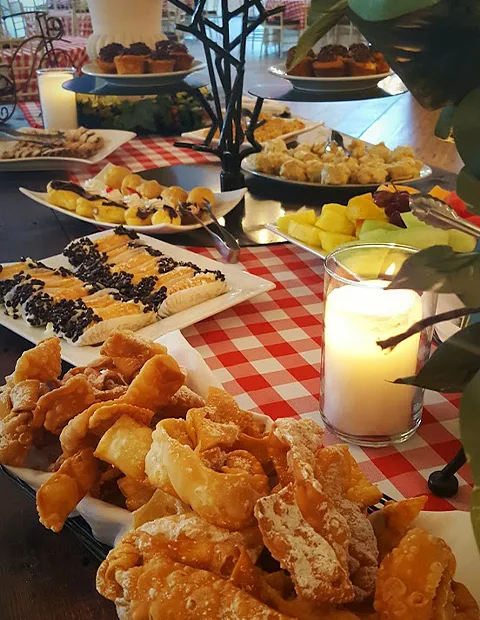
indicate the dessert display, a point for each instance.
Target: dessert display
{"x":381,"y":217}
{"x":328,"y":164}
{"x":115,"y":282}
{"x":231,"y":518}
{"x":338,"y":61}
{"x":272,"y":127}
{"x":117,"y":196}
{"x":138,"y":58}
{"x":80,"y":143}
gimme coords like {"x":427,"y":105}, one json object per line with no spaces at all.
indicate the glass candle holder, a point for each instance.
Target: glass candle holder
{"x":59,"y":106}
{"x":358,"y":400}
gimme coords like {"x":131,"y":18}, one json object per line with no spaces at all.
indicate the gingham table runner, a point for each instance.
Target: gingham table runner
{"x":266,"y":351}
{"x":74,"y":46}
{"x":295,"y":10}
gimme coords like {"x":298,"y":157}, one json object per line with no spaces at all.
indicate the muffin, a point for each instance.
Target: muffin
{"x":160,"y":60}
{"x":304,"y":68}
{"x":133,"y":60}
{"x":106,"y":57}
{"x":331,"y":61}
{"x":361,"y":60}
{"x":183,"y":60}
{"x":382,"y":64}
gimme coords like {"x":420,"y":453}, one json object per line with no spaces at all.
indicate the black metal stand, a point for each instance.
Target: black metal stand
{"x":226,"y":69}
{"x":50,"y":29}
{"x":443,"y":482}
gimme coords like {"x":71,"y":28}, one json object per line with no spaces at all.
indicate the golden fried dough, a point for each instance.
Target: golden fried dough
{"x":42,"y":362}
{"x":129,"y":352}
{"x":158,"y":380}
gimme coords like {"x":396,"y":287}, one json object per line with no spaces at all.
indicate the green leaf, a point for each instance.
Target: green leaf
{"x":444,"y":126}
{"x":466,"y":130}
{"x":442,"y":270}
{"x":470,"y":433}
{"x":378,"y":10}
{"x":452,"y":365}
{"x":468,"y":188}
{"x":322,"y":17}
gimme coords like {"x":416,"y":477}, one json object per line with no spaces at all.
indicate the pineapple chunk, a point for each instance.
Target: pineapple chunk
{"x":363,"y":208}
{"x":358,"y":227}
{"x":304,"y":232}
{"x":331,"y":240}
{"x":388,"y":187}
{"x":334,"y":219}
{"x":302,"y":216}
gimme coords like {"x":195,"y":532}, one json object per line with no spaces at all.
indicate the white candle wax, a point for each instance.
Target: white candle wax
{"x":358,"y":396}
{"x":59,"y":108}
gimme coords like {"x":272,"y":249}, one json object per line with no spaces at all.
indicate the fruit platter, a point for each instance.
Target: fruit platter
{"x":383,"y":216}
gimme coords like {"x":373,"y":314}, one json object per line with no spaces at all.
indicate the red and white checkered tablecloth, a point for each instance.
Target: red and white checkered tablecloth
{"x":266,"y":351}
{"x":295,"y":10}
{"x":73,"y":46}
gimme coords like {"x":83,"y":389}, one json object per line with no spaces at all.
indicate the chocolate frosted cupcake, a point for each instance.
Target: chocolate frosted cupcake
{"x":160,"y":60}
{"x":182,"y":60}
{"x":106,"y":57}
{"x":133,"y":60}
{"x":361,"y":60}
{"x":329,"y":63}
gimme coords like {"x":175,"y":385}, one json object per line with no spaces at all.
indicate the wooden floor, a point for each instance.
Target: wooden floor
{"x":394,"y":120}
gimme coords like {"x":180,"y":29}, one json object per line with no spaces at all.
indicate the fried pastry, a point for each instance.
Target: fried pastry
{"x":160,"y":504}
{"x":24,"y":395}
{"x":56,"y":408}
{"x":310,"y":559}
{"x":42,"y":362}
{"x":179,"y":404}
{"x":58,"y":497}
{"x":414,"y":579}
{"x":129,"y":352}
{"x":137,"y":493}
{"x":224,"y":498}
{"x":5,"y":401}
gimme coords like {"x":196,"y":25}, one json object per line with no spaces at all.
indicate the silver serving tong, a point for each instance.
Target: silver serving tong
{"x":225,"y":243}
{"x":21,"y":136}
{"x":437,"y":213}
{"x":337,"y":139}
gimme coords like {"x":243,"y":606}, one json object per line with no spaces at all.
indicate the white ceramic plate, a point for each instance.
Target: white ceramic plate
{"x":200,"y":134}
{"x":321,"y":134}
{"x":143,"y":79}
{"x":113,"y":139}
{"x":331,"y":84}
{"x":242,"y":285}
{"x":224,"y":203}
{"x":310,"y":248}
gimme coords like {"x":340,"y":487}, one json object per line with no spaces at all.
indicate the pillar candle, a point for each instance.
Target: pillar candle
{"x":59,"y":108}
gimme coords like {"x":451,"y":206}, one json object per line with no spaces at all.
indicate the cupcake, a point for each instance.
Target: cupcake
{"x":382,"y":64}
{"x":361,"y":60}
{"x":133,"y":60}
{"x":182,"y":59}
{"x":106,"y":57}
{"x":331,"y":61}
{"x":304,"y":68}
{"x":160,"y":60}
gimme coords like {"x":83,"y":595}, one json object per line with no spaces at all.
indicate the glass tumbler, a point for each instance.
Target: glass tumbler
{"x":359,"y":400}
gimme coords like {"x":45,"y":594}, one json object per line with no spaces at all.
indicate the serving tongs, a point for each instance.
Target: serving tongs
{"x":437,"y":213}
{"x":23,"y":136}
{"x":225,"y":243}
{"x":336,"y":139}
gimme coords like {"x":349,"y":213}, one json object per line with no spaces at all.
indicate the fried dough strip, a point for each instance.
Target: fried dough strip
{"x":57,"y":497}
{"x":43,"y":362}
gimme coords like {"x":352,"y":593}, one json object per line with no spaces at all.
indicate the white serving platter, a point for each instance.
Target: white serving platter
{"x":328,"y":84}
{"x":113,"y":139}
{"x":310,"y":248}
{"x":322,"y":134}
{"x":199,"y":135}
{"x":143,"y":79}
{"x":242,"y":286}
{"x":224,"y":203}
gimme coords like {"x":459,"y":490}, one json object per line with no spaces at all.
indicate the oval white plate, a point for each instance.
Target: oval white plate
{"x":144,"y":79}
{"x":199,"y":135}
{"x":224,"y":203}
{"x":348,"y":83}
{"x":113,"y":139}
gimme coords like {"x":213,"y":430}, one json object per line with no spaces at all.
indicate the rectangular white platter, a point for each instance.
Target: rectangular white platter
{"x":242,"y":285}
{"x":113,"y":139}
{"x":320,"y":252}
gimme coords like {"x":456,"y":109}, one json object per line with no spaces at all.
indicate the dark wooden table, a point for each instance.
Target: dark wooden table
{"x":52,"y":576}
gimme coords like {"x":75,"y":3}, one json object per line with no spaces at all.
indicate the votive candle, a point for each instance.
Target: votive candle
{"x":59,"y":107}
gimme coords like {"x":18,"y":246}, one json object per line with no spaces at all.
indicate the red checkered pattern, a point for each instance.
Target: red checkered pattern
{"x":295,"y":10}
{"x":74,"y":46}
{"x":266,"y":352}
{"x":138,"y":154}
{"x":83,"y":26}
